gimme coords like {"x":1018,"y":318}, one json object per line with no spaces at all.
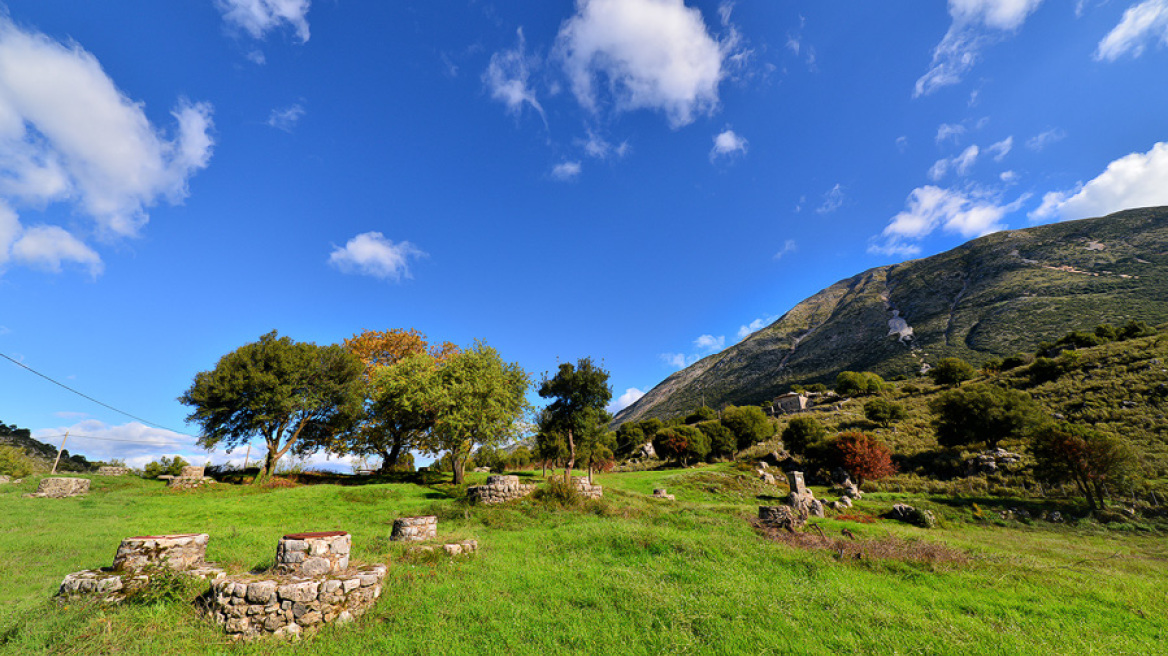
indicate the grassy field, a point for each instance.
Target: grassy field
{"x":627,"y":575}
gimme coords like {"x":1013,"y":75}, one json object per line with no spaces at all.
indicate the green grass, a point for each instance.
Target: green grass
{"x":628,"y":575}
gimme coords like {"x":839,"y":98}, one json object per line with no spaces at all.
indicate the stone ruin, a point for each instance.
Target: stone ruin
{"x":910,"y":515}
{"x":991,"y":462}
{"x":137,"y":560}
{"x":802,"y":502}
{"x":59,"y":488}
{"x":4,"y":479}
{"x":463,"y":548}
{"x":498,"y":489}
{"x":113,"y":471}
{"x":189,"y":477}
{"x":659,"y":493}
{"x":313,"y":554}
{"x":312,"y":585}
{"x":588,"y":490}
{"x":415,"y":529}
{"x":847,"y":491}
{"x":780,"y":517}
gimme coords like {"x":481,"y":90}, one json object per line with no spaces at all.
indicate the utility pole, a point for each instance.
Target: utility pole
{"x":246,"y":456}
{"x":59,"y":450}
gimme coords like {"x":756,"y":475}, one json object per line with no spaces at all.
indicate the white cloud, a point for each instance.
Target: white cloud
{"x":257,"y":57}
{"x":371,"y":254}
{"x":788,"y":247}
{"x":1040,"y":141}
{"x":258,"y":17}
{"x":600,"y":148}
{"x":710,"y":343}
{"x":1135,"y":180}
{"x":947,"y":131}
{"x":677,"y":360}
{"x":507,"y":78}
{"x":566,"y":171}
{"x":755,"y":326}
{"x":67,"y":134}
{"x":727,"y":143}
{"x":625,"y":400}
{"x":902,"y":143}
{"x":1009,"y":177}
{"x":1000,"y":149}
{"x":930,"y":208}
{"x":1141,"y":23}
{"x":133,"y":442}
{"x":653,"y":54}
{"x":285,"y":119}
{"x":961,"y":164}
{"x":832,"y":200}
{"x":976,"y":24}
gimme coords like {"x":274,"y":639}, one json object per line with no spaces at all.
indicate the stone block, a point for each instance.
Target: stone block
{"x":59,"y":488}
{"x":415,"y":529}
{"x":795,"y":482}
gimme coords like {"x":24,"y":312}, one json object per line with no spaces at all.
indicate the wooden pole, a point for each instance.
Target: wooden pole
{"x":246,"y":456}
{"x":59,"y":450}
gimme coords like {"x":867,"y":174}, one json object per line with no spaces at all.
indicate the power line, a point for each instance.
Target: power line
{"x":86,"y":396}
{"x":104,"y":439}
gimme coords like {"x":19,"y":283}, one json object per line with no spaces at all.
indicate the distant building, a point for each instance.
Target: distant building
{"x":790,"y":403}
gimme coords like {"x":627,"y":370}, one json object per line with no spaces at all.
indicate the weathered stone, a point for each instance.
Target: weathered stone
{"x":416,"y":529}
{"x":911,"y":515}
{"x":261,"y":592}
{"x":59,"y":488}
{"x":299,"y":591}
{"x":113,"y":471}
{"x":795,"y":481}
{"x":329,"y":553}
{"x":779,"y":517}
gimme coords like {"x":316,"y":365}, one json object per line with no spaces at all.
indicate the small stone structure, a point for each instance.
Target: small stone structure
{"x":250,"y":606}
{"x":415,"y":529}
{"x":990,"y":462}
{"x":499,"y":489}
{"x":780,"y":517}
{"x":463,"y":548}
{"x":113,"y":471}
{"x":588,"y":490}
{"x":802,"y":502}
{"x":659,"y":493}
{"x":790,"y":403}
{"x":59,"y":488}
{"x":313,"y":554}
{"x":910,"y":515}
{"x":190,"y":477}
{"x":138,"y":559}
{"x":193,"y":472}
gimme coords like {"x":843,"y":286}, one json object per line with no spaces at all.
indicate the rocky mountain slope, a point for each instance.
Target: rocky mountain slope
{"x":991,"y":297}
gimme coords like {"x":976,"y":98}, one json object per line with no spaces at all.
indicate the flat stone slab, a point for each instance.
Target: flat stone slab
{"x":59,"y":488}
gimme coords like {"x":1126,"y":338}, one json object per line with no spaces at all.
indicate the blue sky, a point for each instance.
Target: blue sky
{"x":640,"y":181}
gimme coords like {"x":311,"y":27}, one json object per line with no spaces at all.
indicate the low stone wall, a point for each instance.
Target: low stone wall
{"x":186,"y":482}
{"x":499,"y":489}
{"x":780,"y":517}
{"x":313,"y":554}
{"x":587,"y":489}
{"x":248,"y":606}
{"x":192,"y":472}
{"x":113,"y":471}
{"x":415,"y":529}
{"x":137,"y":560}
{"x":59,"y":488}
{"x":463,"y":548}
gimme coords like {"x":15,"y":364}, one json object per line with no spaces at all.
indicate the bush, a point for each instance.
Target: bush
{"x":854,"y":383}
{"x":982,"y":413}
{"x":801,"y":433}
{"x":723,"y":442}
{"x":165,"y":466}
{"x":703,"y":413}
{"x":884,"y":412}
{"x":951,"y":371}
{"x":1134,"y":329}
{"x":681,"y":443}
{"x":863,"y":456}
{"x":749,"y":424}
{"x":15,"y":463}
{"x":1091,"y":459}
{"x":1015,"y":361}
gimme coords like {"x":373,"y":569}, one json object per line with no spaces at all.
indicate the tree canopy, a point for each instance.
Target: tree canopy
{"x":802,"y":433}
{"x":749,"y":424}
{"x":951,"y":371}
{"x":1092,"y":459}
{"x":580,"y":393}
{"x":983,"y":414}
{"x":292,"y":394}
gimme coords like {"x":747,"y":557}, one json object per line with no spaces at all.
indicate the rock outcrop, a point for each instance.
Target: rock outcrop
{"x":59,"y":488}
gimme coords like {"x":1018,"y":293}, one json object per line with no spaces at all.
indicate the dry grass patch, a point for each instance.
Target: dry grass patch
{"x":849,"y":547}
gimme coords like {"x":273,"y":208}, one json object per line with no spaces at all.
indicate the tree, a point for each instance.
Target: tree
{"x":854,"y":383}
{"x":802,"y":433}
{"x":1093,"y":460}
{"x":478,"y":399}
{"x":293,"y":394}
{"x":982,"y":414}
{"x":165,"y":466}
{"x":704,"y":413}
{"x":519,"y":458}
{"x":681,"y":443}
{"x":581,"y":393}
{"x":629,"y":436}
{"x":723,"y":441}
{"x":863,"y":456}
{"x":884,"y":412}
{"x":749,"y":424}
{"x":951,"y":372}
{"x":389,"y":428}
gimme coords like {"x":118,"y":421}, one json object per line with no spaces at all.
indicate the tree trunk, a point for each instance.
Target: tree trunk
{"x":545,"y":468}
{"x":269,"y":465}
{"x":590,"y":472}
{"x":571,"y":458}
{"x":456,"y":465}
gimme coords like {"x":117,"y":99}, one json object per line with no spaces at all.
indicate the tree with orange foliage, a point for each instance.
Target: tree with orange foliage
{"x":391,"y":426}
{"x":864,"y":456}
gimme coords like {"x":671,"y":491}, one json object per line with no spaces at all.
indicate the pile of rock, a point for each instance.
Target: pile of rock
{"x":780,"y":517}
{"x":463,"y":548}
{"x":4,"y":479}
{"x":190,"y":477}
{"x":113,"y":471}
{"x":991,"y":462}
{"x":250,"y":606}
{"x":659,"y":493}
{"x":499,"y":489}
{"x":59,"y":488}
{"x":802,"y":502}
{"x":137,"y":560}
{"x":764,"y":475}
{"x":847,"y":491}
{"x":586,"y":489}
{"x":313,"y":554}
{"x":910,"y":515}
{"x":415,"y":529}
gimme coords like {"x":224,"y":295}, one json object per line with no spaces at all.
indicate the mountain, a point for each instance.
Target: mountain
{"x":991,"y":297}
{"x":40,"y":453}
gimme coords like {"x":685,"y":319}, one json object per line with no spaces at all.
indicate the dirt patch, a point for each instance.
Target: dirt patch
{"x":848,"y":547}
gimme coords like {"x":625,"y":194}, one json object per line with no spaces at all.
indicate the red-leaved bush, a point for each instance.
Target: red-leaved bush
{"x":863,"y":456}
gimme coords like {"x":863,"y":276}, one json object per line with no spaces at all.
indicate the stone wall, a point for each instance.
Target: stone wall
{"x":313,"y":554}
{"x":249,"y":606}
{"x":499,"y":489}
{"x":58,"y":488}
{"x":463,"y":548}
{"x":587,"y":489}
{"x":113,"y":471}
{"x":192,"y":472}
{"x":137,"y":560}
{"x":415,"y":529}
{"x":780,"y":517}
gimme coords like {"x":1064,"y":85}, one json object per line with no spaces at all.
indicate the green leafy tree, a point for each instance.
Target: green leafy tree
{"x":749,"y":423}
{"x":580,"y":394}
{"x":983,"y":414}
{"x":292,"y":394}
{"x":479,"y":400}
{"x":1093,"y":460}
{"x":629,"y":436}
{"x":681,"y":443}
{"x":801,"y":433}
{"x":15,"y":462}
{"x":952,"y":372}
{"x":723,"y":441}
{"x":165,"y":466}
{"x":855,"y":383}
{"x":519,"y":458}
{"x":704,"y":413}
{"x":1133,"y":329}
{"x":884,"y":412}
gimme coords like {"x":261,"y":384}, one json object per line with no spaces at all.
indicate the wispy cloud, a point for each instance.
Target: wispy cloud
{"x":286,"y":118}
{"x":755,"y":326}
{"x":508,"y":78}
{"x":623,"y":401}
{"x":1134,"y":180}
{"x":1142,"y":24}
{"x":789,"y":247}
{"x":259,"y":17}
{"x":1040,"y":141}
{"x":833,"y":199}
{"x":930,"y":208}
{"x":565,"y":171}
{"x":371,"y":254}
{"x":726,"y":144}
